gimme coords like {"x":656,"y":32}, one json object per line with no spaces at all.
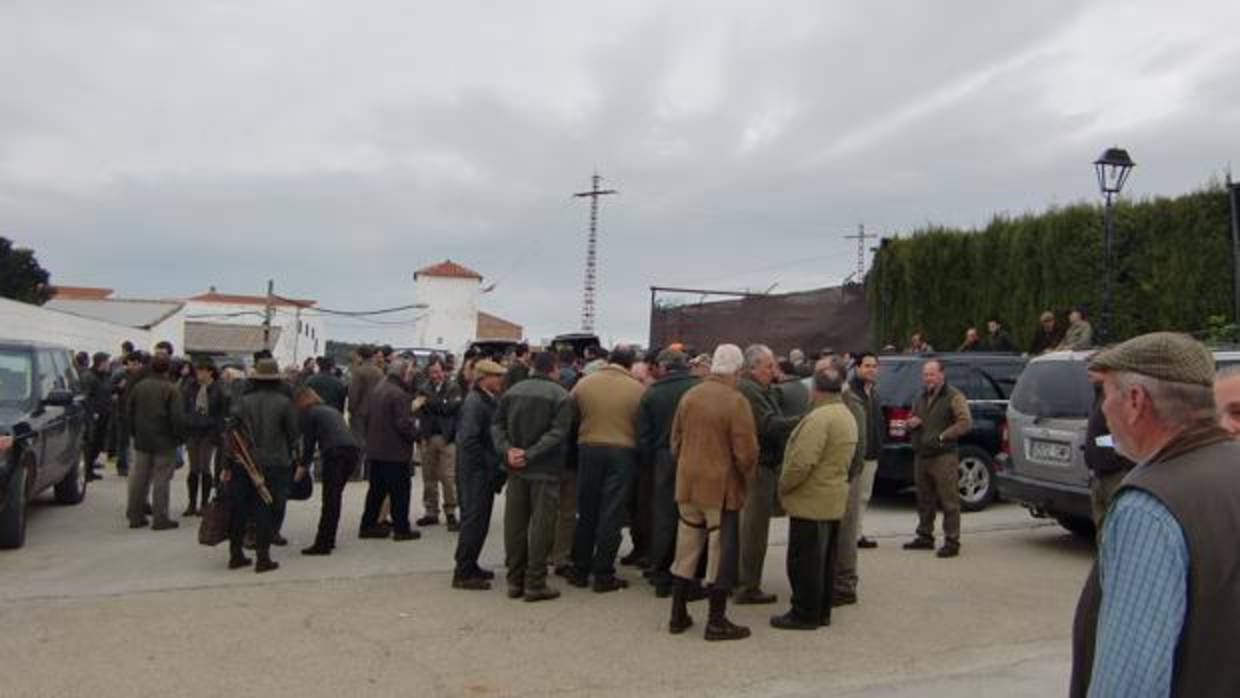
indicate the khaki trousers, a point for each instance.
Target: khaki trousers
{"x":714,"y":531}
{"x":938,"y":489}
{"x":866,"y":482}
{"x":150,"y":475}
{"x":755,"y":528}
{"x":438,"y":470}
{"x":565,"y":520}
{"x":844,"y":562}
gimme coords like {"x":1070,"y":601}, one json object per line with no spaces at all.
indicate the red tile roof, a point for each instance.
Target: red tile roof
{"x":80,"y":293}
{"x":449,"y":269}
{"x":495,"y":327}
{"x":235,"y":299}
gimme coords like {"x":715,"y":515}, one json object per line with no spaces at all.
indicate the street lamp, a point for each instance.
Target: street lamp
{"x":1113,"y":168}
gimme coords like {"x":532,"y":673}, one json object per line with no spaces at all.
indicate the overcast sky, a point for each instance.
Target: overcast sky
{"x":161,"y":147}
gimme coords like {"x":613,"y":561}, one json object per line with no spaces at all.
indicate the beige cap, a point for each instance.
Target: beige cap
{"x":487,"y":367}
{"x":1167,"y":356}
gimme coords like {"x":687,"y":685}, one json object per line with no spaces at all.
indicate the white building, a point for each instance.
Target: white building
{"x":451,"y":318}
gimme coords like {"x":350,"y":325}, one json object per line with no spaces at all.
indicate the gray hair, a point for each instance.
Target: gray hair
{"x":397,"y":368}
{"x":1175,"y":404}
{"x":727,"y":360}
{"x":829,"y":375}
{"x":755,"y":353}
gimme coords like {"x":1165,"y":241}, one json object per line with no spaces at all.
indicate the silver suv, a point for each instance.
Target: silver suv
{"x":1044,"y":465}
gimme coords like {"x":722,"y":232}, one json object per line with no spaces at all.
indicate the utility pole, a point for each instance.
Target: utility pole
{"x":591,"y":283}
{"x":1233,"y":196}
{"x":267,"y":313}
{"x":860,"y":237}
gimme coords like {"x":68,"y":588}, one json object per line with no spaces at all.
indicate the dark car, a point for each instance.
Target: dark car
{"x":1045,"y":469}
{"x":577,"y":342}
{"x":494,"y":349}
{"x":42,"y":424}
{"x":986,"y":380}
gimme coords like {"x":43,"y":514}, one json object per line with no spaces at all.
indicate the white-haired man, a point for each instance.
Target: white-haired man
{"x":1160,"y":613}
{"x":716,"y":451}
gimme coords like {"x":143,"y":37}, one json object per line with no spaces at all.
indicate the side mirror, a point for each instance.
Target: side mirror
{"x":59,"y":398}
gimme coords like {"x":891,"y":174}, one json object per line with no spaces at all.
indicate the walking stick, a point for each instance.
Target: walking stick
{"x":239,"y":444}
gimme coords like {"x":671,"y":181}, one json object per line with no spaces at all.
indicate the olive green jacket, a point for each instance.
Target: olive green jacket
{"x":813,"y":483}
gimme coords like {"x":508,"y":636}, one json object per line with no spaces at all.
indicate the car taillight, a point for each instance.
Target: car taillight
{"x":6,"y":442}
{"x":1005,"y":438}
{"x":897,"y":422}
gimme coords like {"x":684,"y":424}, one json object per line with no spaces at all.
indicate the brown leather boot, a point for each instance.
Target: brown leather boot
{"x":681,"y":621}
{"x":265,"y":563}
{"x":718,"y":627}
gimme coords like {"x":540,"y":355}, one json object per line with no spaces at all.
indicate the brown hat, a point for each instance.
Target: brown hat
{"x":487,"y":367}
{"x":266,"y":370}
{"x":1166,"y":356}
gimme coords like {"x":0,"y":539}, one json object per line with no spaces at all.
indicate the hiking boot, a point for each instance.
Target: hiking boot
{"x":920,"y":543}
{"x":406,"y":535}
{"x":718,"y":627}
{"x":236,"y":563}
{"x":681,"y":620}
{"x":165,"y":525}
{"x":541,"y":594}
{"x":484,"y":574}
{"x":266,"y":566}
{"x":453,"y":525}
{"x":866,"y":543}
{"x":603,"y":585}
{"x":790,"y":621}
{"x":949,"y":550}
{"x":754,"y":597}
{"x":139,"y":524}
{"x":515,"y":592}
{"x":427,"y":520}
{"x":317,"y":549}
{"x":470,"y":583}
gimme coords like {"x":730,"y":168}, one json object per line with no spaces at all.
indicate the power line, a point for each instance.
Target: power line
{"x":350,"y":313}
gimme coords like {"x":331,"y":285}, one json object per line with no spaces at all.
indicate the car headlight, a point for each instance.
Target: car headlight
{"x":6,"y":442}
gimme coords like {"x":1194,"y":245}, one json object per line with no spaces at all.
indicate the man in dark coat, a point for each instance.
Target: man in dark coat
{"x":323,"y":428}
{"x":390,"y":434}
{"x":998,"y":340}
{"x":437,"y":422}
{"x":97,"y":388}
{"x":655,"y":414}
{"x":157,"y":425}
{"x":479,"y":474}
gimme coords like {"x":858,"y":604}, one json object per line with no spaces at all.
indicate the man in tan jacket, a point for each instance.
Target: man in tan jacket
{"x":606,"y":403}
{"x":715,"y":445}
{"x":813,"y":487}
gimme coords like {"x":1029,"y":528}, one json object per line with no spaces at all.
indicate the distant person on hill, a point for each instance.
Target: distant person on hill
{"x":918,"y":345}
{"x":998,"y":340}
{"x":1080,"y":334}
{"x":972,"y":341}
{"x":1047,"y":336}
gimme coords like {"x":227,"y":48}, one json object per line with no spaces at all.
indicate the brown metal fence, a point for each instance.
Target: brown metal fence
{"x":835,"y":317}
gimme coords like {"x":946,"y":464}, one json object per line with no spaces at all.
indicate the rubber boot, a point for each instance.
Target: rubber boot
{"x":680,"y":621}
{"x":718,"y":627}
{"x":191,"y":483}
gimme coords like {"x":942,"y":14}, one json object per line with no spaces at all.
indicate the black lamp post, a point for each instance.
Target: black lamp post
{"x":1113,"y":168}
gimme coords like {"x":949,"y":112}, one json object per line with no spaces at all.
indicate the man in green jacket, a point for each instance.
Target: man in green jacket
{"x":655,"y":414}
{"x":157,"y":425}
{"x":530,"y":431}
{"x":773,"y":428}
{"x":940,"y":417}
{"x":813,"y":487}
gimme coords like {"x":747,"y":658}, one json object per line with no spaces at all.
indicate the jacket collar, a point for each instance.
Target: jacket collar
{"x":824,"y":399}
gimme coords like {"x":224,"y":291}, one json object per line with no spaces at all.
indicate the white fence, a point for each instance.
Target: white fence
{"x":23,"y":321}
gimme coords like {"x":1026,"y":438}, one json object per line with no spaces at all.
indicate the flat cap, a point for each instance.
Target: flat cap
{"x":487,"y":367}
{"x":1167,"y":356}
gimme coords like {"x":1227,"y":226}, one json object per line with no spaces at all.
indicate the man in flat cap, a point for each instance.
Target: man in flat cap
{"x":479,"y":474}
{"x":1160,"y":613}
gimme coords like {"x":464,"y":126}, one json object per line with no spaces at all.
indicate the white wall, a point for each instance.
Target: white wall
{"x":31,"y":323}
{"x":171,"y":329}
{"x":292,"y":348}
{"x":450,"y":321}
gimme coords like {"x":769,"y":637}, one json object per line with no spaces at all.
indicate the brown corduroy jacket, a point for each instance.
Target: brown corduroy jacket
{"x":716,"y":446}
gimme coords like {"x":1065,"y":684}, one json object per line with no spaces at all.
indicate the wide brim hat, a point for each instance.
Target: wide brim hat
{"x":487,"y":367}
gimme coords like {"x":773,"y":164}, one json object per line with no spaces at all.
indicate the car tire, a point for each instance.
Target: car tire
{"x":72,"y":489}
{"x":1079,"y":526}
{"x":13,"y":515}
{"x":977,"y":479}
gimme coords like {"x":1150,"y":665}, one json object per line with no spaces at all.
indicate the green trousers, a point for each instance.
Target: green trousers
{"x":530,"y":511}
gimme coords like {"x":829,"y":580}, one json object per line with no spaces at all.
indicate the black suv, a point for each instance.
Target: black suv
{"x":42,"y":425}
{"x":986,"y":380}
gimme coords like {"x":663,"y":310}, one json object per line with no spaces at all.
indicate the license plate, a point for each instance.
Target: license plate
{"x":1053,"y":451}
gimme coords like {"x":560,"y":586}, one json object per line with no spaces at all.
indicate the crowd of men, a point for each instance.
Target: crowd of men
{"x":696,"y":454}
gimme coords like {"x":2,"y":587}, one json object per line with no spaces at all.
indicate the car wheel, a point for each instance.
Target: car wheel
{"x":977,"y":479}
{"x":72,"y":489}
{"x":13,"y":513}
{"x":1079,"y":526}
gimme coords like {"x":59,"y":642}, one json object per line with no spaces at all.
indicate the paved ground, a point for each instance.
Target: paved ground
{"x":90,"y":608}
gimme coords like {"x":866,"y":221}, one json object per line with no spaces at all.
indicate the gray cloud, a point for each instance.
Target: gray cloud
{"x":159,"y":149}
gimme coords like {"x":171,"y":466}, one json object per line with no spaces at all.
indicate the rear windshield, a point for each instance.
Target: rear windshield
{"x":898,"y":382}
{"x":1054,"y":389}
{"x":16,"y":378}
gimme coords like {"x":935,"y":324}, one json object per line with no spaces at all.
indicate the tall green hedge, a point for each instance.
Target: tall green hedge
{"x":1173,"y":270}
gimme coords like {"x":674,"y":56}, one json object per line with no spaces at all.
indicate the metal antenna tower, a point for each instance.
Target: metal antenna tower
{"x":591,"y":285}
{"x":860,"y":237}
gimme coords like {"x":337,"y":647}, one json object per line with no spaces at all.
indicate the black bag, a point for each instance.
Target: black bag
{"x":302,"y":489}
{"x":216,"y":519}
